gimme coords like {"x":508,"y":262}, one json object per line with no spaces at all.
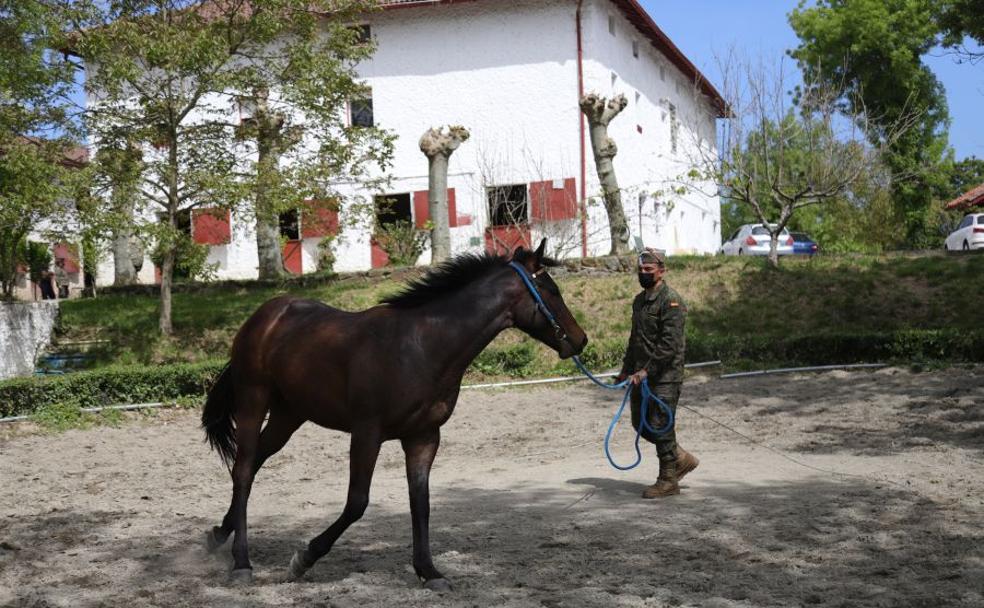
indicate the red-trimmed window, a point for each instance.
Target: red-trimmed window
{"x":553,"y":200}
{"x":421,"y":209}
{"x":211,"y":226}
{"x":319,"y":219}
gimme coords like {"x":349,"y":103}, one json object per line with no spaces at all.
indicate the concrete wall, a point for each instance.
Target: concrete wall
{"x":25,"y":331}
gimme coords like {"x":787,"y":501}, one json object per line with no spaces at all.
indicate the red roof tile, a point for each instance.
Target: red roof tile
{"x":968,"y":199}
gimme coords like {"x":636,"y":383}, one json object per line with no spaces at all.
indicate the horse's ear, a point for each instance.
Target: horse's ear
{"x":540,"y":250}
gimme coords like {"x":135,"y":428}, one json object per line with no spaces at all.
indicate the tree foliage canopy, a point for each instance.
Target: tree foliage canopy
{"x":35,"y":130}
{"x":873,"y":50}
{"x":183,"y":82}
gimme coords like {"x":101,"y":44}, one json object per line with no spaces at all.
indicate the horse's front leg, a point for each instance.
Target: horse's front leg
{"x":420,"y":451}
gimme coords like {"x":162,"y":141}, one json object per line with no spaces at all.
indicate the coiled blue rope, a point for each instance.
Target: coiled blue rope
{"x":647,"y":396}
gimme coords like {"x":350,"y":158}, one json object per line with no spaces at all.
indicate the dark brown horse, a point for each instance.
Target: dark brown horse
{"x":390,"y":372}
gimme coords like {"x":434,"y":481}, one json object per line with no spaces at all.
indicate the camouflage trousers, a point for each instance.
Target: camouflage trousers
{"x":668,"y":393}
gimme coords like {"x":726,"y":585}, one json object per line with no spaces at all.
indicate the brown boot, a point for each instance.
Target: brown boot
{"x":686,"y":462}
{"x":666,"y":484}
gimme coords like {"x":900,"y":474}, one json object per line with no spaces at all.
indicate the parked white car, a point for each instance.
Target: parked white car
{"x":753,"y":239}
{"x":968,"y":235}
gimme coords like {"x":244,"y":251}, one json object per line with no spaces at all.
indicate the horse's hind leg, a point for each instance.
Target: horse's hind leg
{"x":362,"y":462}
{"x":278,"y":430}
{"x":251,"y":407}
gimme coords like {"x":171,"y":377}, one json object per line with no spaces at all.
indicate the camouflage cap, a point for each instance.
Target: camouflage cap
{"x":652,"y":256}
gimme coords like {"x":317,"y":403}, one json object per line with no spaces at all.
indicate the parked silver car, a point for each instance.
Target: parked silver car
{"x":753,"y":239}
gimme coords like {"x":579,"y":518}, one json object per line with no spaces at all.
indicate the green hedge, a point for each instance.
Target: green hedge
{"x":107,"y":386}
{"x":827,"y":349}
{"x":136,"y":384}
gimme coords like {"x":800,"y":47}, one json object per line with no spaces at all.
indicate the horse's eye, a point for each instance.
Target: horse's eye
{"x":548,"y":284}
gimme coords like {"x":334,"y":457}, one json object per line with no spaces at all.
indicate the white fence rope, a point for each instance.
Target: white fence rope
{"x":785,"y":370}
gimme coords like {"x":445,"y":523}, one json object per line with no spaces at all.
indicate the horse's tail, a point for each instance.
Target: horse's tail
{"x":218,"y":417}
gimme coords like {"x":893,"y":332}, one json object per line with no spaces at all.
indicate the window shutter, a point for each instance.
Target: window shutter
{"x":292,"y":257}
{"x":503,"y":240}
{"x":211,"y":226}
{"x":319,"y":219}
{"x":452,"y":209}
{"x":378,"y":256}
{"x":69,"y":253}
{"x":421,"y":208}
{"x":550,"y":203}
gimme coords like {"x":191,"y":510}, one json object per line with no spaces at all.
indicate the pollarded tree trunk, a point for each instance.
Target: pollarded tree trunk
{"x":124,"y":272}
{"x":438,"y":145}
{"x":125,"y":164}
{"x":600,"y":112}
{"x":267,"y":126}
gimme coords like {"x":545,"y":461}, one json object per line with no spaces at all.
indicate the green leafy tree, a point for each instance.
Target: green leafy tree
{"x":32,"y":190}
{"x":959,"y":20}
{"x":784,"y":158}
{"x":178,"y":77}
{"x":35,"y":130}
{"x":966,"y":174}
{"x":296,"y":124}
{"x":872,"y":50}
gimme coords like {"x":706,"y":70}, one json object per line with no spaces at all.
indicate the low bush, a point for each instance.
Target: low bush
{"x":107,"y":386}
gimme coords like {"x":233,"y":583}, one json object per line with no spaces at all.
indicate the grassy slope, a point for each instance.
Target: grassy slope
{"x":726,"y":297}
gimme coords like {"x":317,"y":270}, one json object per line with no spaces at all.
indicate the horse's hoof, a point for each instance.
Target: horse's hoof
{"x":212,"y":542}
{"x":241,"y":576}
{"x":297,"y":566}
{"x":440,"y":585}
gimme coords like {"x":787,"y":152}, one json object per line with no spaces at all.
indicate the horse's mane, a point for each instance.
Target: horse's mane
{"x":451,"y":275}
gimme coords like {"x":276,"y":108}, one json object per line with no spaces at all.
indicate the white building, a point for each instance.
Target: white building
{"x":512,"y":73}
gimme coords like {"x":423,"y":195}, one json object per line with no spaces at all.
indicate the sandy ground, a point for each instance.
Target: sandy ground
{"x":526,"y":511}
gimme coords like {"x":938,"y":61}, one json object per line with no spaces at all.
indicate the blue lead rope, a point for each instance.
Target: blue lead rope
{"x":647,"y":396}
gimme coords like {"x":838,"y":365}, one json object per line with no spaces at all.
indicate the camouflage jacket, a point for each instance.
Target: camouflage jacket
{"x":657,"y":342}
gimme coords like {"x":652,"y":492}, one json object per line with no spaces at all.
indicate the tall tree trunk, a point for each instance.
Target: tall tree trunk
{"x":267,"y":127}
{"x":125,"y":163}
{"x":774,"y":250}
{"x":438,"y":145}
{"x":269,"y":255}
{"x":600,"y":113}
{"x":167,"y":276}
{"x":170,"y":255}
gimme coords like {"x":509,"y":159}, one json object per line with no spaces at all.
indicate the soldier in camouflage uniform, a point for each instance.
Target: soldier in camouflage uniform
{"x":655,"y":355}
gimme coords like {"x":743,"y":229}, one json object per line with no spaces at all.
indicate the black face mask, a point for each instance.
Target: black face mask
{"x":647,"y":279}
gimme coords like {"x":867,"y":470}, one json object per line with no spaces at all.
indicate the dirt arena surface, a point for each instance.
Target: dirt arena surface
{"x":525,"y":510}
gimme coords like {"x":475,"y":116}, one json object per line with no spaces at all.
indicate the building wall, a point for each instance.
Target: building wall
{"x":646,"y":163}
{"x":508,"y":73}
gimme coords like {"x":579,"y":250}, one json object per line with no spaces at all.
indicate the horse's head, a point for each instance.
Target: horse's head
{"x":554,"y":326}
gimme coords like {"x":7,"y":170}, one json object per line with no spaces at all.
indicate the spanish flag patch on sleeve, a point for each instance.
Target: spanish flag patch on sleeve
{"x":674,"y":304}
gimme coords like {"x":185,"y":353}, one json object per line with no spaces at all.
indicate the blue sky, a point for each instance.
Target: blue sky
{"x":759,"y":27}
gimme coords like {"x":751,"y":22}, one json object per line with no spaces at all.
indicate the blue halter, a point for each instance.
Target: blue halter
{"x":647,"y":394}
